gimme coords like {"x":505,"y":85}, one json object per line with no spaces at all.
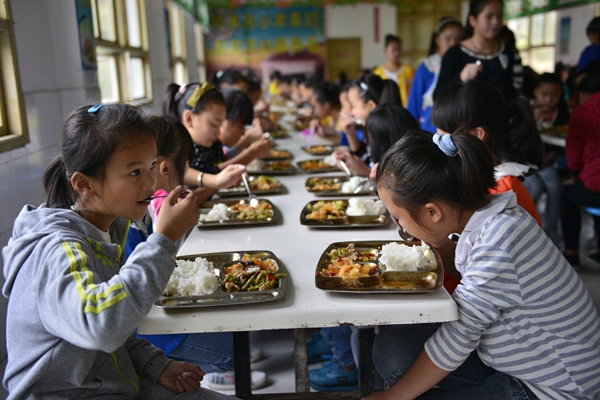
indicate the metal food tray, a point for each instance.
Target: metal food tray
{"x":221,"y":297}
{"x":347,"y":221}
{"x":285,"y":156}
{"x":382,"y":281}
{"x":331,"y":168}
{"x":328,"y":149}
{"x":206,"y":206}
{"x":279,"y":134}
{"x":310,"y":182}
{"x":288,"y":170}
{"x":240,"y":191}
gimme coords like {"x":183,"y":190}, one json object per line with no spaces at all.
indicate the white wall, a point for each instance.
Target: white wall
{"x":357,"y":21}
{"x":580,"y":18}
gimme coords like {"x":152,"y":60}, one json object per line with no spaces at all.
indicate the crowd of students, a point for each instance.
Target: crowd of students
{"x":455,"y":151}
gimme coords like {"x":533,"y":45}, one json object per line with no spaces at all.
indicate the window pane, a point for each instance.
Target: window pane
{"x":106,"y":20}
{"x":522,"y":33}
{"x":550,"y":28}
{"x":176,"y":31}
{"x":137,"y":78}
{"x":108,"y":79}
{"x":179,"y":72}
{"x":542,"y":59}
{"x":133,"y":23}
{"x":537,"y":30}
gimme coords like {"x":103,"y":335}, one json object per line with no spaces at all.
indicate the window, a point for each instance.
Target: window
{"x":13,"y":123}
{"x":536,"y":35}
{"x":200,"y":52}
{"x":178,"y":53}
{"x":122,"y":50}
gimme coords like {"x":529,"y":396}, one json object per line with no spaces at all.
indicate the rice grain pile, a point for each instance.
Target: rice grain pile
{"x":255,"y":165}
{"x":400,"y":257}
{"x":192,"y":278}
{"x":219,"y":212}
{"x":358,"y":207}
{"x":330,"y":159}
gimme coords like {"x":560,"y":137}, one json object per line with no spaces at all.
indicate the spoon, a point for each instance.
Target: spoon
{"x":252,"y":199}
{"x":405,"y":235}
{"x":359,"y":188}
{"x":345,"y":168}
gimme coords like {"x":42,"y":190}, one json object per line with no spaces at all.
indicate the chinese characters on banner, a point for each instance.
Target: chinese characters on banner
{"x":290,"y":40}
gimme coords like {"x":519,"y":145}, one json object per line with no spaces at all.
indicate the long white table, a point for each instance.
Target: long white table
{"x":298,"y":247}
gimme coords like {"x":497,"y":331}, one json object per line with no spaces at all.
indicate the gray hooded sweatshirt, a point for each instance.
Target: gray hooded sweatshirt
{"x":74,"y":305}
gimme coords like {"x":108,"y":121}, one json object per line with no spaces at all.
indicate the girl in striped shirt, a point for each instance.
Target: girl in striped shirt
{"x":526,"y":328}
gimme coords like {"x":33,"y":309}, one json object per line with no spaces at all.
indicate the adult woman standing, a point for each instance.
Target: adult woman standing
{"x":447,"y":33}
{"x":480,"y":55}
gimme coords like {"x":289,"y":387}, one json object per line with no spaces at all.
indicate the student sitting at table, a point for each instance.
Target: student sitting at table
{"x":550,"y":109}
{"x":201,"y":109}
{"x":364,"y":95}
{"x":527,"y":327}
{"x":326,"y":105}
{"x":307,"y":90}
{"x":211,"y":351}
{"x":385,"y":125}
{"x":394,"y":69}
{"x":583,"y":158}
{"x":74,"y":301}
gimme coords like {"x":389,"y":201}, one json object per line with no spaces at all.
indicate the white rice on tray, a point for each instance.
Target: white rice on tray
{"x":330,"y":159}
{"x":357,"y":207}
{"x":219,"y":212}
{"x":255,"y":165}
{"x":400,"y":257}
{"x":192,"y":278}
{"x":352,"y":183}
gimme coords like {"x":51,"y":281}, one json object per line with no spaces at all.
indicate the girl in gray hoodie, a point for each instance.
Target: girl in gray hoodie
{"x":73,"y":302}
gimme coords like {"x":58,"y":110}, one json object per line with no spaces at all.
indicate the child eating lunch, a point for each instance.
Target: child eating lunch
{"x":527,"y":327}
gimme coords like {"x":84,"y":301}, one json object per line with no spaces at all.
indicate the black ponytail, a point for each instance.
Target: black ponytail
{"x":380,"y":91}
{"x":59,"y":192}
{"x":176,"y":97}
{"x":415,"y":171}
{"x":511,"y":132}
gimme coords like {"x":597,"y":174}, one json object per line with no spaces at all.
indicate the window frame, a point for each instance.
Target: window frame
{"x":14,"y":132}
{"x":178,"y":59}
{"x":200,"y":54}
{"x":122,"y":51}
{"x":526,"y":52}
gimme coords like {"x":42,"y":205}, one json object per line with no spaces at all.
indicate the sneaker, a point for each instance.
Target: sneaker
{"x":331,"y":377}
{"x":317,"y":348}
{"x":256,"y":354}
{"x":226,"y":380}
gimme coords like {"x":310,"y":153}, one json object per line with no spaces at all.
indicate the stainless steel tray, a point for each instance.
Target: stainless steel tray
{"x":319,"y":150}
{"x":206,"y":206}
{"x":221,"y":297}
{"x":278,"y":155}
{"x":334,"y":181}
{"x":346,"y":221}
{"x":381,"y":282}
{"x":275,"y":168}
{"x":240,"y":191}
{"x":303,"y":166}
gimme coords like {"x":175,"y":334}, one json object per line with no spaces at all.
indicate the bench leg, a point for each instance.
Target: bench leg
{"x":241,"y":354}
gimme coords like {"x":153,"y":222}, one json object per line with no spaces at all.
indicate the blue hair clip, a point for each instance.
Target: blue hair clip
{"x":446,"y":144}
{"x":94,"y":109}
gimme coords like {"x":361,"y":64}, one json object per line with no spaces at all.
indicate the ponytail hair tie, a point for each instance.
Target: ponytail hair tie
{"x":199,"y":92}
{"x":446,"y":144}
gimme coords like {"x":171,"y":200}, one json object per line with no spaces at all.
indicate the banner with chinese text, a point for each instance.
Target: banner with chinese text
{"x":290,"y":40}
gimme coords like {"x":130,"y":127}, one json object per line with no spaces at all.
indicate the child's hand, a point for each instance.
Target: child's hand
{"x":354,"y":164}
{"x":347,"y":121}
{"x":470,"y":71}
{"x":177,"y":215}
{"x":373,"y":174}
{"x":181,"y":376}
{"x":261,"y":148}
{"x":230,"y":176}
{"x":254,"y":133}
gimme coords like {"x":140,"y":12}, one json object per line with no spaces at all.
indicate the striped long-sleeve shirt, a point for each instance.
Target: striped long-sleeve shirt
{"x":521,"y":306}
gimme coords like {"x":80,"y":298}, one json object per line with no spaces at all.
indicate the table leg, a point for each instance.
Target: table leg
{"x":366,"y":369}
{"x":241,"y":354}
{"x":301,"y":361}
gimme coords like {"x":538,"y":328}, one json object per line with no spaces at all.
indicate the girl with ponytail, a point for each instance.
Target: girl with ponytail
{"x":518,"y":295}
